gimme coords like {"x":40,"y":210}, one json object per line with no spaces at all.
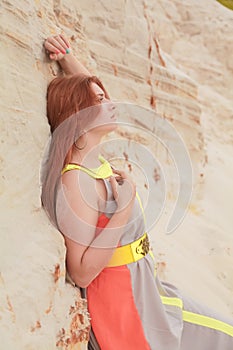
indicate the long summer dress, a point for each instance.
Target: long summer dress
{"x":131,"y":309}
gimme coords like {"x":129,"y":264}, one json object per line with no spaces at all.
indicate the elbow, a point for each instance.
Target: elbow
{"x":82,"y":276}
{"x":81,"y":281}
{"x":83,"y":284}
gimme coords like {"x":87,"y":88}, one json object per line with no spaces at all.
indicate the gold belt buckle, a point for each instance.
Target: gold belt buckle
{"x":141,"y":248}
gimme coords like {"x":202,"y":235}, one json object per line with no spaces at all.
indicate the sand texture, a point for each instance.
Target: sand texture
{"x":169,"y":57}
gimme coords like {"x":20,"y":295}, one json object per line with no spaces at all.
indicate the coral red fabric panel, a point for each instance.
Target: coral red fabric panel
{"x":102,"y":221}
{"x":114,"y":316}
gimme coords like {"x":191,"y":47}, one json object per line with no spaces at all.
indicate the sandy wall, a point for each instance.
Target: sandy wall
{"x":174,"y":58}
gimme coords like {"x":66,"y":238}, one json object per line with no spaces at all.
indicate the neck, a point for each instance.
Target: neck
{"x":89,"y":155}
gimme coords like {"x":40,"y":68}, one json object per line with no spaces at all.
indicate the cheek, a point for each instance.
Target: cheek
{"x":103,"y":117}
{"x":104,"y":114}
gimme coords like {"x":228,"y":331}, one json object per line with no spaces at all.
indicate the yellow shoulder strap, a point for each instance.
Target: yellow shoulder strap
{"x":70,"y":166}
{"x":102,"y":172}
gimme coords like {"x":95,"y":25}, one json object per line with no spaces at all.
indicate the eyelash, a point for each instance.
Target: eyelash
{"x":100,"y":99}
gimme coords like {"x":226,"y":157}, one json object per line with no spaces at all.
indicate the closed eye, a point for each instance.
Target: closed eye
{"x":100,"y":97}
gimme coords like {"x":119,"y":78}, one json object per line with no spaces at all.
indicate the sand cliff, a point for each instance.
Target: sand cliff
{"x":171,"y":57}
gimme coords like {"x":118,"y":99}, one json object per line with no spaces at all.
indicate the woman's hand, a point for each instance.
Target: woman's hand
{"x":57,"y":47}
{"x":124,"y":190}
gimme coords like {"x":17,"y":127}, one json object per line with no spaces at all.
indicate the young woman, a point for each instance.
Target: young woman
{"x":100,"y":215}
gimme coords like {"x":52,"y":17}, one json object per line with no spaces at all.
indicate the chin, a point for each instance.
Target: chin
{"x":113,"y":126}
{"x":107,"y":128}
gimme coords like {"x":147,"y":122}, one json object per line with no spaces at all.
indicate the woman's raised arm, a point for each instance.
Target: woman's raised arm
{"x":58,"y":49}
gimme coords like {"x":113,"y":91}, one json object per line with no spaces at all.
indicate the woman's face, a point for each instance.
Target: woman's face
{"x":106,"y":120}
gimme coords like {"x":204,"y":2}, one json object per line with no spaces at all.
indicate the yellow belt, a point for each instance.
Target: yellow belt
{"x":129,"y":253}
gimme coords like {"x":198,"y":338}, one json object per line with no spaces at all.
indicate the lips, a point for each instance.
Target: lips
{"x":115,"y":114}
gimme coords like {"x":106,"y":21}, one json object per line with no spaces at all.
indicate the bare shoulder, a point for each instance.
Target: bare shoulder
{"x":77,"y":204}
{"x":76,"y":181}
{"x":80,"y":192}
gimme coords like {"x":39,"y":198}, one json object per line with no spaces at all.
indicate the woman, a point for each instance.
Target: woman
{"x":100,"y":215}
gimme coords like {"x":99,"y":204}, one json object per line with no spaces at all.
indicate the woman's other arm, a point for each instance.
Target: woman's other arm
{"x":85,"y":262}
{"x":58,"y":48}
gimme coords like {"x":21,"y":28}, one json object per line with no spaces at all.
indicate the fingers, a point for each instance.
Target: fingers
{"x":56,"y":57}
{"x":123,"y":188}
{"x":121,"y":176}
{"x":65,"y":40}
{"x":121,"y":173}
{"x":57,"y":45}
{"x":114,"y":187}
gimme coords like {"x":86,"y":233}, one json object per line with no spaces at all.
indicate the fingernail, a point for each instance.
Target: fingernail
{"x":63,"y":51}
{"x":57,"y":52}
{"x":67,"y":51}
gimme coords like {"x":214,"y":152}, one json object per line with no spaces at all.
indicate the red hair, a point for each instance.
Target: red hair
{"x":68,"y":99}
{"x":69,"y":94}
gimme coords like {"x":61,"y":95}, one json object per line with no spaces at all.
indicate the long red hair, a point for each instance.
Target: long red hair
{"x":68,"y":99}
{"x":68,"y":95}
